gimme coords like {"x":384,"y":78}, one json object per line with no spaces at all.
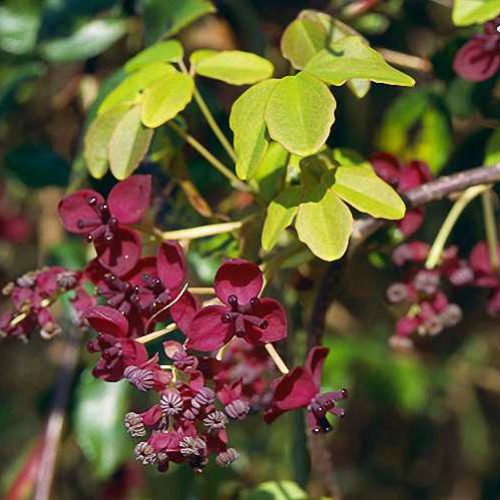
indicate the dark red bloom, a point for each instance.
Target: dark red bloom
{"x":301,"y":388}
{"x":479,"y":58}
{"x":104,"y":221}
{"x":151,"y":285}
{"x":117,"y":351}
{"x":238,"y":284}
{"x":485,"y":276}
{"x":403,"y":177}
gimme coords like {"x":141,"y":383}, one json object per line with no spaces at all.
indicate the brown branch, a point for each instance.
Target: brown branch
{"x":55,"y":422}
{"x":321,"y":459}
{"x":431,"y":191}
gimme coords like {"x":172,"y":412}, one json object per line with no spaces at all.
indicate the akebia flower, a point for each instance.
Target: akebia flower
{"x":104,"y":222}
{"x":301,"y":388}
{"x":403,"y":177}
{"x":479,"y":58}
{"x":117,"y":350}
{"x":237,"y":284}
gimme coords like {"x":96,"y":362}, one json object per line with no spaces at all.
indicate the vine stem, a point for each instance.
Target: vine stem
{"x":215,"y":162}
{"x":201,"y":290}
{"x":449,"y":223}
{"x":201,"y":231}
{"x":491,"y":228}
{"x":156,"y":334}
{"x":280,"y":364}
{"x":55,"y":422}
{"x":212,"y":123}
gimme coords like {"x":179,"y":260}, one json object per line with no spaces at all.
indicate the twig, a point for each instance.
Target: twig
{"x":491,"y":228}
{"x":406,"y":60}
{"x":431,"y":191}
{"x":55,"y":423}
{"x":201,"y":231}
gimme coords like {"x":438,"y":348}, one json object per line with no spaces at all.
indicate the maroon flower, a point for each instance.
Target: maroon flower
{"x":238,"y":284}
{"x":479,"y":58}
{"x":301,"y":388}
{"x":104,"y":222}
{"x":485,"y":276}
{"x":117,"y":351}
{"x":403,"y":178}
{"x":151,"y":285}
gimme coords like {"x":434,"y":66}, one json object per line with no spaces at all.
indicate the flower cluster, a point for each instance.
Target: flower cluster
{"x":403,"y":177}
{"x":426,"y":307}
{"x":479,"y":58}
{"x":221,"y":371}
{"x":32,"y":296}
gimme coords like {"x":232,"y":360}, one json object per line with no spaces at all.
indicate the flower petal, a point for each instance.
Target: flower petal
{"x":75,"y":207}
{"x":315,"y":361}
{"x":238,"y":277}
{"x":183,"y":311}
{"x":271,"y":311}
{"x":294,"y":390}
{"x":386,"y":166}
{"x":207,"y":332}
{"x":171,"y":264}
{"x":129,"y":199}
{"x":474,"y":62}
{"x":411,"y":222}
{"x":122,"y":253}
{"x":144,"y":266}
{"x":107,"y":320}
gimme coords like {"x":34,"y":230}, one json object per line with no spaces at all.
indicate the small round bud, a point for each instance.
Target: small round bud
{"x":227,"y":457}
{"x":171,"y":402}
{"x":215,"y":421}
{"x":232,"y":300}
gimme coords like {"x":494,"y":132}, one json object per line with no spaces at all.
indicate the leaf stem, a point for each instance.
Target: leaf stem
{"x":215,"y":162}
{"x":193,"y":233}
{"x":200,"y":290}
{"x":157,"y":334}
{"x":458,"y":207}
{"x":213,"y":125}
{"x":278,"y":361}
{"x":491,"y":228}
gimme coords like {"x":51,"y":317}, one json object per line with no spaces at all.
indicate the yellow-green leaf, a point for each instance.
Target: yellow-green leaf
{"x":367,"y":192}
{"x":128,"y":89}
{"x":249,"y":129}
{"x":492,"y":153}
{"x":129,"y":143}
{"x":97,"y":137}
{"x":169,"y":51}
{"x":271,"y":171}
{"x":324,"y":223}
{"x":467,"y":12}
{"x":300,"y":113}
{"x":234,"y":67}
{"x":164,"y":99}
{"x":349,"y":58}
{"x":280,"y":214}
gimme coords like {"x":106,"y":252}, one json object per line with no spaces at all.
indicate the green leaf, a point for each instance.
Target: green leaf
{"x":271,"y":171}
{"x":303,"y":39}
{"x":313,"y":31}
{"x":416,"y":126}
{"x":492,"y":153}
{"x":99,"y":430}
{"x":128,"y":144}
{"x":467,"y":12}
{"x":300,"y":113}
{"x":169,"y":51}
{"x":249,"y":128}
{"x":164,"y":99}
{"x":97,"y":137}
{"x":181,"y":13}
{"x":350,"y":57}
{"x":280,"y":214}
{"x":276,"y":490}
{"x":233,"y":66}
{"x":127,"y":89}
{"x":324,"y":223}
{"x":88,"y":41}
{"x":367,"y":192}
